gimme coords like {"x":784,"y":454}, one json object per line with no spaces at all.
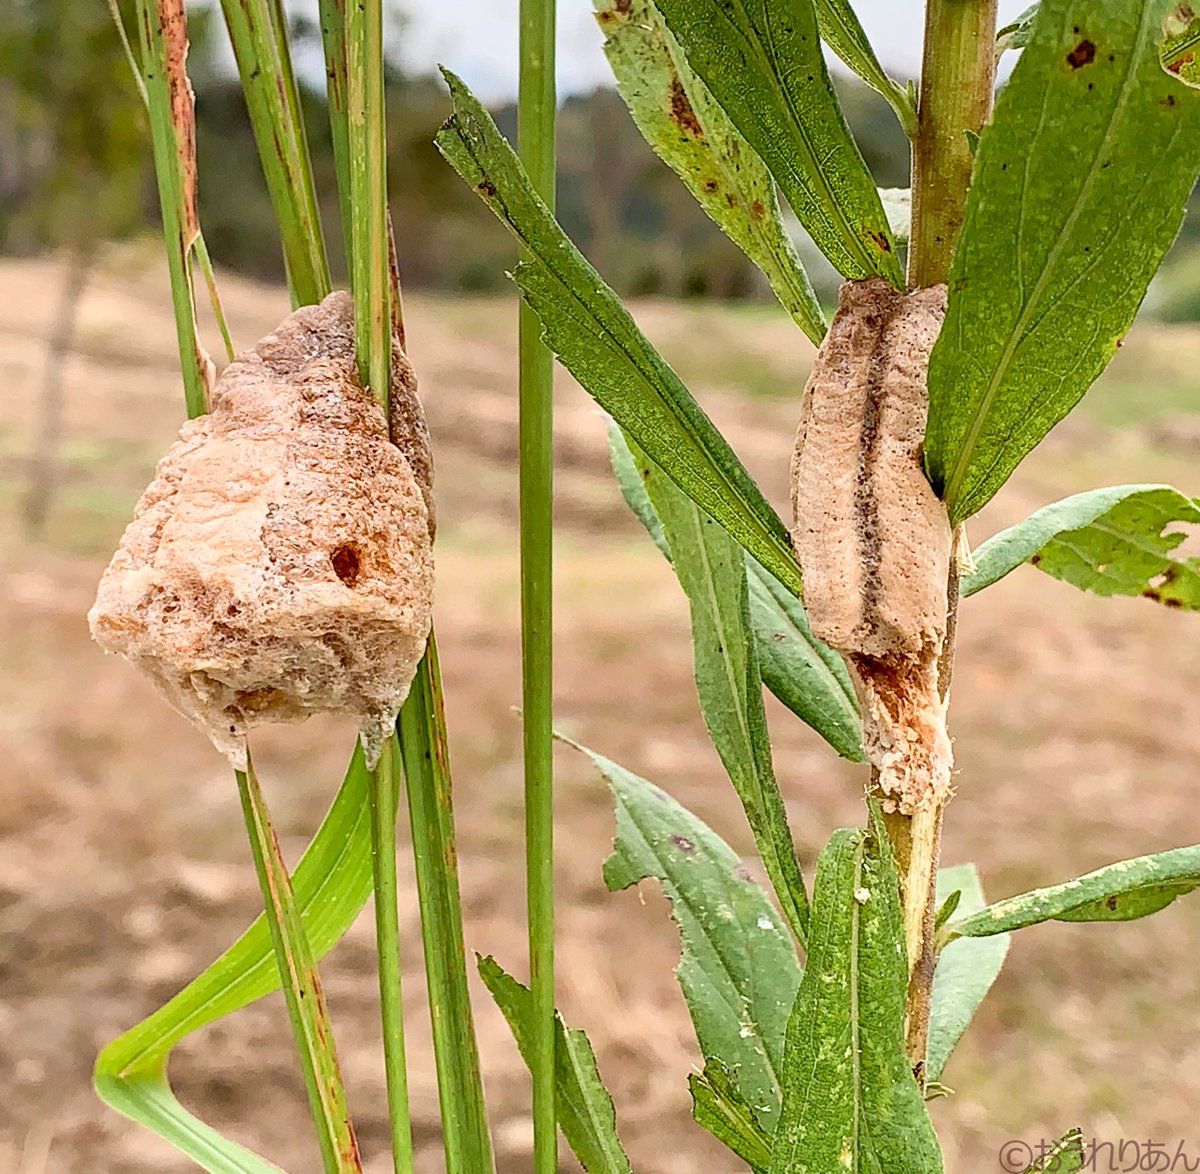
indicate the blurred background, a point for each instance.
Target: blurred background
{"x":123,"y":864}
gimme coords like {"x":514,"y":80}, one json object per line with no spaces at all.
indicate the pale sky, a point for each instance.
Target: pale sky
{"x":478,"y":40}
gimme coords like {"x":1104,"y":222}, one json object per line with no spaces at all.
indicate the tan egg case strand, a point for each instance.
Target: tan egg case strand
{"x":872,"y":537}
{"x":280,"y":563}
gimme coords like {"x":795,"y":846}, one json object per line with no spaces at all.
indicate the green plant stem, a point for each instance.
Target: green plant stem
{"x":957,"y":81}
{"x":301,"y":985}
{"x":535,"y":141}
{"x":382,"y":795}
{"x":957,"y":78}
{"x":423,"y":746}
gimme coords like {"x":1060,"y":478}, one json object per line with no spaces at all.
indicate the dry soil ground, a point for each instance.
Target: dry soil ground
{"x":124,"y":870}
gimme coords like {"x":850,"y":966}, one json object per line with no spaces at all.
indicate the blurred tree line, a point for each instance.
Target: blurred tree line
{"x":75,"y":166}
{"x":75,"y":169}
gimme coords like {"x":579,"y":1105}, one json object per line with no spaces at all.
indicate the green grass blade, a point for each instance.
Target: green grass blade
{"x":806,"y":675}
{"x":1079,"y":186}
{"x":762,"y":61}
{"x":851,"y":1101}
{"x":259,"y":41}
{"x":535,"y":142}
{"x":680,"y":119}
{"x":1112,"y":541}
{"x":337,"y":84}
{"x":738,"y":970}
{"x":1119,"y":892}
{"x":331,"y":884}
{"x":302,"y":987}
{"x":711,"y":569}
{"x":162,"y":33}
{"x":427,"y":778}
{"x":585,"y":1110}
{"x":366,"y":187}
{"x":597,"y":340}
{"x":842,"y":31}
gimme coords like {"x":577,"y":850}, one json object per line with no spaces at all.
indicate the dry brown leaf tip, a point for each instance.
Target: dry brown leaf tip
{"x":280,"y":562}
{"x":872,"y":538}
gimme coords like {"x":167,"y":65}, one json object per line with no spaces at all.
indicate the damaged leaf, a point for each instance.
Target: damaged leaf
{"x":693,"y":135}
{"x":739,"y":969}
{"x":1115,"y":541}
{"x":762,"y":61}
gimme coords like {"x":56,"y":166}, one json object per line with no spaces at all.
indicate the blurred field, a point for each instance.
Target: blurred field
{"x":123,"y":866}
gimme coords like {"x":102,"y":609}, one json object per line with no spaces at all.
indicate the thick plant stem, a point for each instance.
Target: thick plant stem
{"x":535,"y":135}
{"x":957,"y":78}
{"x":957,"y":81}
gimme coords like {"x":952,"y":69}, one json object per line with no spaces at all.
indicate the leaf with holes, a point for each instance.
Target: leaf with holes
{"x":1078,"y":190}
{"x":1115,"y":541}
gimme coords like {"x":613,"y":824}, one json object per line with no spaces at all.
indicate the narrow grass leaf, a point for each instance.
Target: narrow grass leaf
{"x":1182,"y":44}
{"x":851,"y":1102}
{"x":264,"y":65}
{"x":598,"y":342}
{"x":585,"y":1109}
{"x":1065,"y":1156}
{"x":718,"y":1105}
{"x":162,"y":29}
{"x":711,"y":569}
{"x":1119,"y":892}
{"x":301,"y":985}
{"x":1115,"y":541}
{"x":690,"y":132}
{"x":426,"y":758}
{"x":738,"y":970}
{"x":807,"y":676}
{"x":966,"y":969}
{"x":1079,"y":186}
{"x":762,"y":62}
{"x":331,"y":884}
{"x":842,"y":31}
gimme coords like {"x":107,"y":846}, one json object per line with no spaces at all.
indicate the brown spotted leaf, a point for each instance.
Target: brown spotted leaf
{"x":692,"y":134}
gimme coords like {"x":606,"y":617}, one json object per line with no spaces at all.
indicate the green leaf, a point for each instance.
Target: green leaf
{"x":711,"y":569}
{"x":718,"y":1105}
{"x":806,"y":675}
{"x":693,"y":135}
{"x":762,"y":62}
{"x":844,"y":34}
{"x":585,"y":1110}
{"x":850,"y":1101}
{"x":1078,"y":190}
{"x":1017,"y":33}
{"x":331,"y":884}
{"x":739,"y":969}
{"x":965,"y":971}
{"x":1181,"y":44}
{"x":598,"y":342}
{"x":1119,"y":892}
{"x":1065,"y":1156}
{"x":1110,"y":541}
